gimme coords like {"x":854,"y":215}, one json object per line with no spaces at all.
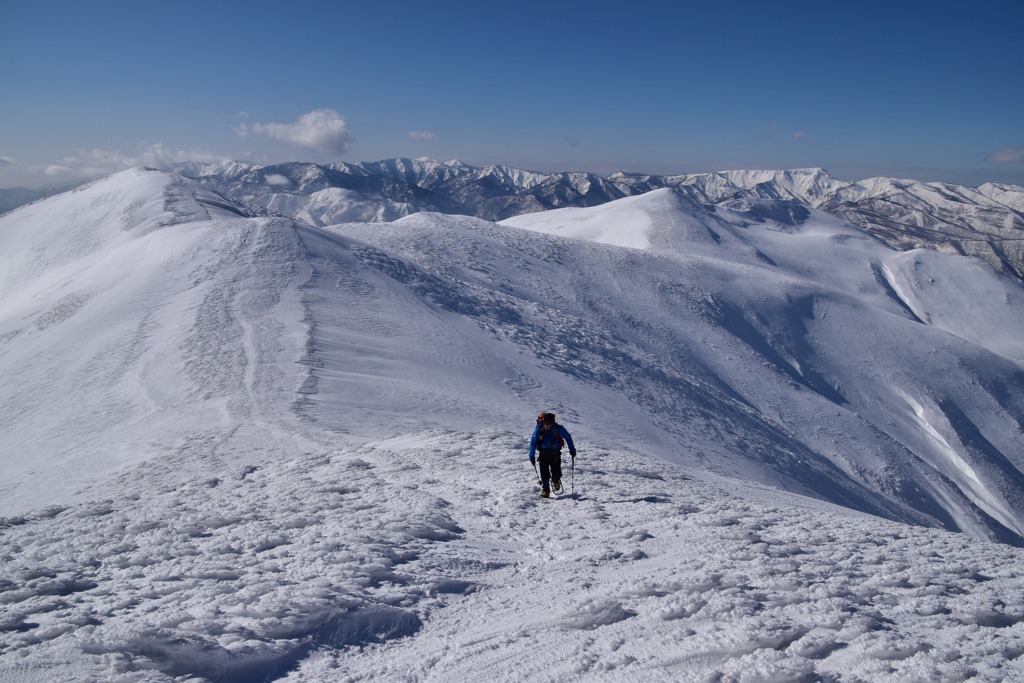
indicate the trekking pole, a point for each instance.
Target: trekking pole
{"x":572,"y":473}
{"x":535,"y":471}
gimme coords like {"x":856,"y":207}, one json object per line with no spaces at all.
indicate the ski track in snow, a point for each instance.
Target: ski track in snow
{"x":431,"y":557}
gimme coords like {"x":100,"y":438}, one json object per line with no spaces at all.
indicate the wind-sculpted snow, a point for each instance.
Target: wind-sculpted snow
{"x":228,"y":579}
{"x":241,"y":447}
{"x":378,"y":563}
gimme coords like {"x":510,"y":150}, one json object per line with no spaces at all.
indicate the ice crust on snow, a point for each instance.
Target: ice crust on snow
{"x":368,"y":563}
{"x":248,"y":448}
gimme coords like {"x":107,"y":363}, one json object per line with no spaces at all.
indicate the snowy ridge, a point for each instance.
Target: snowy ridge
{"x":725,"y":341}
{"x":243,"y":447}
{"x":128,"y":322}
{"x":834,"y":263}
{"x":985,"y":222}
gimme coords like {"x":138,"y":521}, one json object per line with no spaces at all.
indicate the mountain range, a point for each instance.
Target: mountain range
{"x":986,"y":221}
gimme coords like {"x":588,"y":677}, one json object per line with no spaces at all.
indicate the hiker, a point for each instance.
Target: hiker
{"x":547,"y":439}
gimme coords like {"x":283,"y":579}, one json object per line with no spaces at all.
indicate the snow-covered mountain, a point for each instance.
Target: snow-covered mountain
{"x":240,"y":446}
{"x":987,"y":222}
{"x":387,"y":190}
{"x":12,"y":198}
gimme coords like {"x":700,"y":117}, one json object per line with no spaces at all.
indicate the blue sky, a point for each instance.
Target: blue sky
{"x":927,"y":90}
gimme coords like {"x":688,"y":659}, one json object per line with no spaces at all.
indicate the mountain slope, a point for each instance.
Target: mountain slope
{"x":128,"y":317}
{"x":985,"y":222}
{"x":800,"y":354}
{"x":241,"y":447}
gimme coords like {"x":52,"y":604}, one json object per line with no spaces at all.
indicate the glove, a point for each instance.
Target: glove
{"x":532,"y":462}
{"x":572,"y":453}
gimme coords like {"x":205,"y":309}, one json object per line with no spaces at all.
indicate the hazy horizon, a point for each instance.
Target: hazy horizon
{"x":921,"y":92}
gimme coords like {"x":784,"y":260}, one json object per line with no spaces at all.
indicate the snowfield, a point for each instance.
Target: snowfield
{"x":240,"y":448}
{"x":375,"y":563}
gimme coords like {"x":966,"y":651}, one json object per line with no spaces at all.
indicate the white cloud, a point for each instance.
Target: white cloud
{"x":58,"y":170}
{"x":422,"y":135}
{"x":160,"y":157}
{"x":277,"y":179}
{"x":322,"y":130}
{"x":799,"y":134}
{"x":96,"y":163}
{"x":92,"y":163}
{"x":1007,"y":155}
{"x":5,"y":161}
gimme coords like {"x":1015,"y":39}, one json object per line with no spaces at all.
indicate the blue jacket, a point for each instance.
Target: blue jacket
{"x":549,"y":440}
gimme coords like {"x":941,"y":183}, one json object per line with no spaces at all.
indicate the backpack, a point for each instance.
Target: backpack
{"x":540,"y":421}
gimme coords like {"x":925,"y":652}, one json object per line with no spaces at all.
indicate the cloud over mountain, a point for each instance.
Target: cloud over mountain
{"x":321,"y":130}
{"x":87,"y":164}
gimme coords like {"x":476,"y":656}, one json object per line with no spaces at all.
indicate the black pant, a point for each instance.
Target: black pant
{"x":550,"y":466}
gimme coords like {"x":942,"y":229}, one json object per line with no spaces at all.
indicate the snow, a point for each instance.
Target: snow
{"x":1007,"y":195}
{"x":369,"y":564}
{"x":245,"y":448}
{"x":624,"y":223}
{"x":953,"y":294}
